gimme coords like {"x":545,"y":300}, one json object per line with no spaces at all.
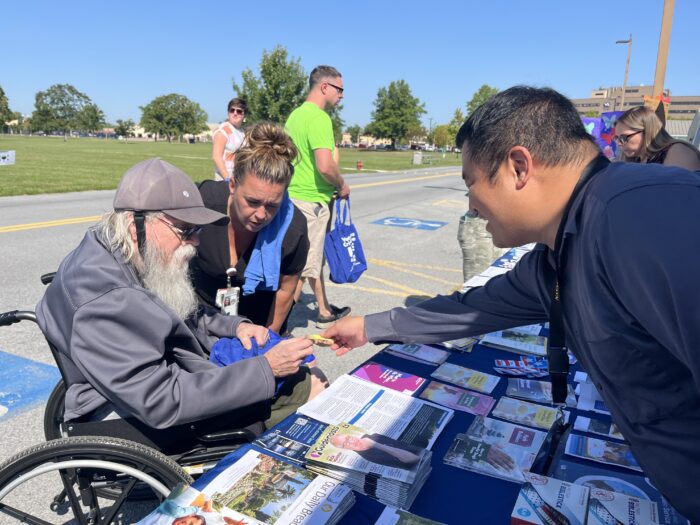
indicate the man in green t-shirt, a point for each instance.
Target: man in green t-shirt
{"x":317,"y":178}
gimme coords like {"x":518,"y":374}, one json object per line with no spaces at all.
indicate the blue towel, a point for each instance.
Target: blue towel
{"x":227,"y":351}
{"x":263,"y":270}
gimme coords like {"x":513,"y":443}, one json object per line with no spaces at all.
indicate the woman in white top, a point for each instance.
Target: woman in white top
{"x":228,"y":138}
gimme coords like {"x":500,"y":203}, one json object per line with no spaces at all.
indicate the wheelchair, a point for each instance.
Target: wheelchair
{"x":101,"y":472}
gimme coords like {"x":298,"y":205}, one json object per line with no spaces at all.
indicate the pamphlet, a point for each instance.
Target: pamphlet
{"x":387,"y":377}
{"x":458,"y":398}
{"x":598,"y":426}
{"x":379,"y":411}
{"x":526,"y":413}
{"x":609,"y":452}
{"x":517,"y":340}
{"x":417,"y":352}
{"x":611,"y":508}
{"x":394,"y":516}
{"x":496,"y":448}
{"x":466,"y":377}
{"x":538,"y":391}
{"x":292,"y":438}
{"x":547,"y":501}
{"x":463,"y":344}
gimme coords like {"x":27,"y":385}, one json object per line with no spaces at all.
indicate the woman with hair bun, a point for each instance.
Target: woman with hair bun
{"x":641,"y":137}
{"x":263,"y":248}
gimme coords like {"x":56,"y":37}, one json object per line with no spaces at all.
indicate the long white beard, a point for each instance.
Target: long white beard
{"x":169,"y":279}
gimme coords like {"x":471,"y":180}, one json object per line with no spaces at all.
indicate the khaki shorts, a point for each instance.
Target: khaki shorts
{"x":317,"y":217}
{"x":294,"y":393}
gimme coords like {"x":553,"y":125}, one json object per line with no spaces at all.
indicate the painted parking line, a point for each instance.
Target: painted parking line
{"x":404,"y":222}
{"x":408,"y":271}
{"x":24,"y":384}
{"x":48,"y":224}
{"x":416,"y":265}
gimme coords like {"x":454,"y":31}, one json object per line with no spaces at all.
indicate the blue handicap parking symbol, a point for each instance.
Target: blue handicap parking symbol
{"x":416,"y":224}
{"x":24,"y":384}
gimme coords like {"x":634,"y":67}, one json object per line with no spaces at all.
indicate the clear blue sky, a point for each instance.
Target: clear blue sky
{"x":123,"y":54}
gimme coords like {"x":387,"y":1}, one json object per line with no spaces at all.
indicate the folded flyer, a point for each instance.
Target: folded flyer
{"x":385,"y":376}
{"x":526,"y":413}
{"x":458,"y":398}
{"x":466,"y":377}
{"x":611,"y":508}
{"x":417,"y":352}
{"x":538,"y":391}
{"x":516,"y":340}
{"x":292,"y":438}
{"x":598,"y":426}
{"x":547,"y":501}
{"x":609,"y":452}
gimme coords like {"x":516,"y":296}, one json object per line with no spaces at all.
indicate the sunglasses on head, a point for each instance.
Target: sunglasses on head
{"x":237,"y":111}
{"x":624,"y":139}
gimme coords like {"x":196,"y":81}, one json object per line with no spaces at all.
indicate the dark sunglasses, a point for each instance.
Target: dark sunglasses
{"x":237,"y":111}
{"x":183,"y":233}
{"x":340,"y":90}
{"x":624,"y":139}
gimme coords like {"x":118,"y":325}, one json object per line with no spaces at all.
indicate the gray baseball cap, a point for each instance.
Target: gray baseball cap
{"x":156,"y":185}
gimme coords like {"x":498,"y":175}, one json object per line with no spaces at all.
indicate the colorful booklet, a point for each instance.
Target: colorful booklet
{"x":549,"y":501}
{"x":526,"y":413}
{"x":516,"y":340}
{"x":496,"y":448}
{"x":385,"y":376}
{"x":631,"y":483}
{"x":418,"y":352}
{"x":458,"y":398}
{"x":609,"y":452}
{"x":292,"y":438}
{"x":598,"y":426}
{"x":611,"y":508}
{"x":538,"y":391}
{"x":466,"y":377}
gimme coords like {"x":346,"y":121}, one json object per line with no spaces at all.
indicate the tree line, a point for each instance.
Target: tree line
{"x":280,"y":86}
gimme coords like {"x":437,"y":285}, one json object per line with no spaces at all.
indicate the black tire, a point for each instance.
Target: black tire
{"x":121,"y":451}
{"x":53,"y":414}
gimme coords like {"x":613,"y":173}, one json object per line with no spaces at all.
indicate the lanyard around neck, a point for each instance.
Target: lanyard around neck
{"x":557,"y":357}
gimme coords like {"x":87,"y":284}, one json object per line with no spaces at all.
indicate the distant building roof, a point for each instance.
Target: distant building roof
{"x":678,"y":129}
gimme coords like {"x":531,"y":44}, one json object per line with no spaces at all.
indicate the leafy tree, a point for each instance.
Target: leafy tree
{"x":280,"y":88}
{"x":484,"y":93}
{"x":416,"y":133}
{"x":173,"y":115}
{"x":125,"y":128}
{"x":60,"y":108}
{"x":396,"y":112}
{"x":355,"y":132}
{"x":338,"y":123}
{"x":591,"y":113}
{"x":5,"y":114}
{"x":442,"y":136}
{"x":455,"y":124}
{"x":91,"y":118}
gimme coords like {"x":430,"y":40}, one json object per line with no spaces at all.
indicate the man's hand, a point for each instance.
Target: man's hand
{"x":286,"y":357}
{"x":348,"y":333}
{"x":247,"y":331}
{"x":344,"y":191}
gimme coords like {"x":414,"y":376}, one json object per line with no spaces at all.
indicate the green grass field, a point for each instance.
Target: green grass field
{"x":52,"y":165}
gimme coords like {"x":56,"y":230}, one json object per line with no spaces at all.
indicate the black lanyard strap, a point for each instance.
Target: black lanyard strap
{"x":557,"y":357}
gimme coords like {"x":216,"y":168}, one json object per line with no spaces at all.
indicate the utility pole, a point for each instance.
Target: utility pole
{"x":662,"y":55}
{"x":627,"y":69}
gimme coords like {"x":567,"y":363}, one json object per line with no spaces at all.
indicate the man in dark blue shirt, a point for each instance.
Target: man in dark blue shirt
{"x":624,"y":240}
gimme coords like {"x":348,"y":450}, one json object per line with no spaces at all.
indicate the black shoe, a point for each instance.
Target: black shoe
{"x":336,"y":313}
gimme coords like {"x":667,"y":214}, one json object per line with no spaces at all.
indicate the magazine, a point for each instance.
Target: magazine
{"x":387,"y":377}
{"x":598,"y":426}
{"x":417,"y":352}
{"x":379,"y":410}
{"x":496,"y":448}
{"x":611,"y":508}
{"x":292,"y":438}
{"x":466,"y":377}
{"x":394,"y":516}
{"x":609,"y":452}
{"x":630,"y":483}
{"x":259,"y":490}
{"x":517,"y":340}
{"x":378,"y":466}
{"x":549,"y":501}
{"x":538,"y":391}
{"x":526,"y":413}
{"x":458,"y":398}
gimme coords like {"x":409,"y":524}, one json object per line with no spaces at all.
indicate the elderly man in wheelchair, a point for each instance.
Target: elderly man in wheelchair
{"x":131,"y":340}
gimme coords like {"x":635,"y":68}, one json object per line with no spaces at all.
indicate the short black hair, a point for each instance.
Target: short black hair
{"x":237,"y":103}
{"x":540,"y":119}
{"x":322,"y":72}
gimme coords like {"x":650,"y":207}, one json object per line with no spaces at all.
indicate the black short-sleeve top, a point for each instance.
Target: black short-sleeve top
{"x":213,"y":256}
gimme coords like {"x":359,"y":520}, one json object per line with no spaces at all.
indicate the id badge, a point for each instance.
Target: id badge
{"x":227,"y":300}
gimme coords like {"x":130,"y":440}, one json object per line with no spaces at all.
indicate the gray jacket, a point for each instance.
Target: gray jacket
{"x":120,"y":344}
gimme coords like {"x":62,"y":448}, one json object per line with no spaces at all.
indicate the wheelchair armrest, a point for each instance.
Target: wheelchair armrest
{"x":15,"y":316}
{"x":47,"y":277}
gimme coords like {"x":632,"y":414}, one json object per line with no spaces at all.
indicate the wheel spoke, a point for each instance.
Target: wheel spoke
{"x":21,"y":515}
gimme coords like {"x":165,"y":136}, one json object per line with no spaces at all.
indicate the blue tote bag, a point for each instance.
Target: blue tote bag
{"x":342,"y":247}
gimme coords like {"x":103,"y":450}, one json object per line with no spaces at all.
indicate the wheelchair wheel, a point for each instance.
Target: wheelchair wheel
{"x":53,"y":414}
{"x":45,"y":483}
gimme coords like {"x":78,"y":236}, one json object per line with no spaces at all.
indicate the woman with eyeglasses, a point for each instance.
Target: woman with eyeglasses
{"x":262,"y":251}
{"x":228,"y":138}
{"x":641,"y":137}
